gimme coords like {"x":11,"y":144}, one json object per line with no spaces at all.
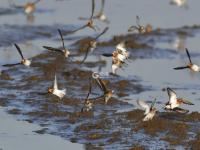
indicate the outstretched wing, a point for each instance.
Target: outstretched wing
{"x":10,"y":65}
{"x":52,"y":49}
{"x":107,"y":55}
{"x":153,"y":103}
{"x":172,"y":95}
{"x":180,"y":68}
{"x":37,"y":1}
{"x":102,"y":6}
{"x":138,"y":20}
{"x":188,"y":54}
{"x":93,"y":7}
{"x":103,"y":32}
{"x":71,"y":32}
{"x":180,"y":110}
{"x":86,"y":54}
{"x":144,"y":105}
{"x":101,"y":85}
{"x":90,"y":88}
{"x":55,"y":85}
{"x":19,"y":50}
{"x":61,"y":36}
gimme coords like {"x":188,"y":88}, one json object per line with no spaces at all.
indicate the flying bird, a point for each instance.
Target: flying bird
{"x":174,"y":103}
{"x":55,"y":91}
{"x":107,"y":93}
{"x":93,"y":43}
{"x":88,"y":104}
{"x":24,"y":61}
{"x":139,"y":28}
{"x":63,"y":51}
{"x":90,"y":24}
{"x":190,"y":65}
{"x":150,"y":111}
{"x":100,"y":15}
{"x":29,"y":8}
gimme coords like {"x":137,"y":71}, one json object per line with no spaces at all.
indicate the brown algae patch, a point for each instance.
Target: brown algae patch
{"x":195,"y":144}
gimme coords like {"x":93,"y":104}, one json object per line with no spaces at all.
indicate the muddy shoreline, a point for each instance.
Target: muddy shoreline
{"x":104,"y":127}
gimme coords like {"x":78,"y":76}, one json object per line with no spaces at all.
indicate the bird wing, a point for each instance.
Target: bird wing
{"x":53,"y":49}
{"x":172,"y":96}
{"x":61,"y":36}
{"x":180,"y":68}
{"x":144,"y":105}
{"x":103,"y":32}
{"x":90,"y":88}
{"x":188,"y":54}
{"x":10,"y":65}
{"x":93,"y":7}
{"x":19,"y":50}
{"x":55,"y":85}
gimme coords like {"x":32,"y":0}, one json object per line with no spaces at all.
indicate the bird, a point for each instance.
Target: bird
{"x":55,"y":91}
{"x":179,"y":3}
{"x":190,"y":65}
{"x":93,"y":43}
{"x":63,"y":51}
{"x":25,"y":62}
{"x":174,"y":102}
{"x":88,"y":104}
{"x":29,"y":7}
{"x":138,"y":27}
{"x":119,"y":55}
{"x":90,"y":23}
{"x":100,"y":15}
{"x":150,"y":111}
{"x":107,"y":93}
{"x":121,"y":49}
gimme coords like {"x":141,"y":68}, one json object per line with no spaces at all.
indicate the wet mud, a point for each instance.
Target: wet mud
{"x":25,"y":90}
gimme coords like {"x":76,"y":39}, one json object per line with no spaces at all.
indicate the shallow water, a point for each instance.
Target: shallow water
{"x":151,"y":69}
{"x":20,"y":135}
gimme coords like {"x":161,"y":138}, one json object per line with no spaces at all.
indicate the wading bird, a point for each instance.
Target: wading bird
{"x":24,"y":61}
{"x":150,"y":111}
{"x":174,"y":102}
{"x":63,"y":51}
{"x":190,"y":65}
{"x":55,"y":91}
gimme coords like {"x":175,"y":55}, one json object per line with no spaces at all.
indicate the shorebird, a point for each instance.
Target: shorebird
{"x":107,"y":92}
{"x":24,"y":61}
{"x":90,"y":24}
{"x":138,"y":27}
{"x":64,"y":51}
{"x":55,"y":91}
{"x":88,"y":104}
{"x":93,"y":43}
{"x":190,"y":65}
{"x":100,"y":15}
{"x":121,"y":49}
{"x":179,"y":3}
{"x":118,"y":57}
{"x":150,"y":111}
{"x":174,"y":102}
{"x":29,"y":8}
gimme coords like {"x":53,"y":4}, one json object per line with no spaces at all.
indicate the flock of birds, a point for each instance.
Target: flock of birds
{"x":119,"y":57}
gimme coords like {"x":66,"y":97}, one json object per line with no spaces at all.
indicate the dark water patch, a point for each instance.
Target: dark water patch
{"x":10,"y":34}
